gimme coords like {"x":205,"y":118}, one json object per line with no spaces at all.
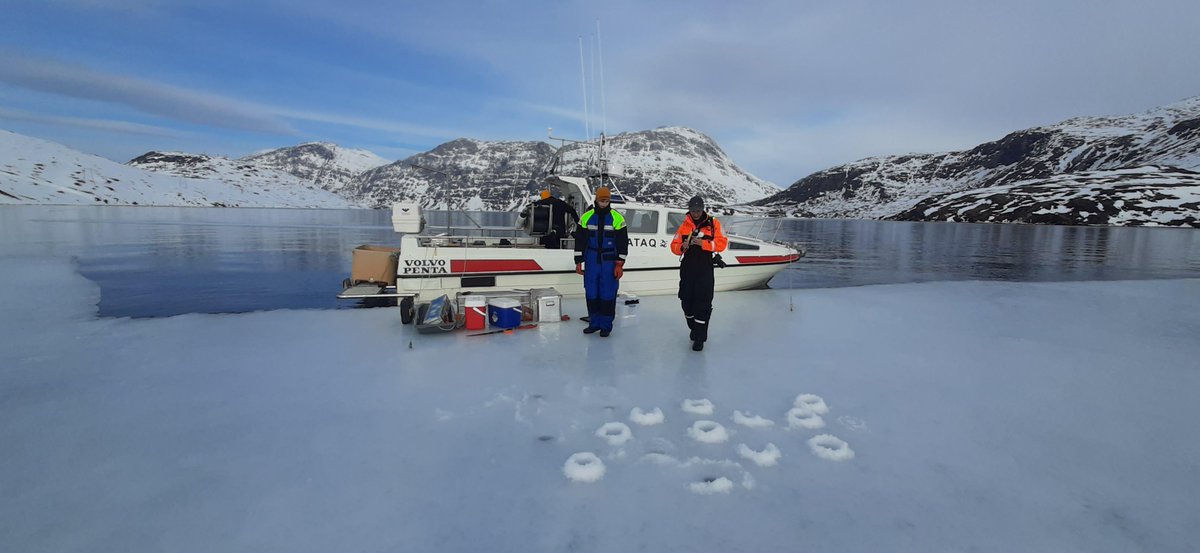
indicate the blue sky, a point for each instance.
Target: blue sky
{"x":786,"y":88}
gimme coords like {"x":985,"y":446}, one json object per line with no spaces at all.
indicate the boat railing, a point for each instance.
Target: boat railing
{"x":456,"y":230}
{"x":444,"y":240}
{"x":762,"y":228}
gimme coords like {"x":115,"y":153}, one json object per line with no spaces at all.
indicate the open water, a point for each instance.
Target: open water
{"x":162,"y":261}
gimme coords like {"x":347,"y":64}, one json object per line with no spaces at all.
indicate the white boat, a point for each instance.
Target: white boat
{"x":491,"y":259}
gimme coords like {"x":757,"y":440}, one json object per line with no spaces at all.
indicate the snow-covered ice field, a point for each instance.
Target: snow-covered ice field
{"x":961,"y":416}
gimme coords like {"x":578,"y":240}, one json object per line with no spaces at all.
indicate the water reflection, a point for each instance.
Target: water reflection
{"x":851,"y":253}
{"x":166,"y":261}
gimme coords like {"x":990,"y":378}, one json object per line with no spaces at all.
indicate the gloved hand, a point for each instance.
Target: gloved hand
{"x":618,"y":270}
{"x":579,"y":268}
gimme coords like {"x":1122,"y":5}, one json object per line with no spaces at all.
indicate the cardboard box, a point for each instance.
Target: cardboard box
{"x":374,"y":264}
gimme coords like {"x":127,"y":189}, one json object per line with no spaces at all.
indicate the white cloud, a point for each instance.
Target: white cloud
{"x":366,"y":123}
{"x":757,"y":72}
{"x":176,"y":103}
{"x":114,"y":5}
{"x":94,"y":124}
{"x":785,"y":87}
{"x":172,"y":102}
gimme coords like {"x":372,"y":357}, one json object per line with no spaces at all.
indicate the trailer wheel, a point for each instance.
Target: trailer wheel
{"x":406,"y":310}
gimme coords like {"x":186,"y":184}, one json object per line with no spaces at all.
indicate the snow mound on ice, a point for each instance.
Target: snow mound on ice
{"x":644,"y":418}
{"x":709,"y":432}
{"x":711,"y":486}
{"x":584,"y":467}
{"x":751,"y":420}
{"x":765,"y":458}
{"x":615,"y":433}
{"x":813,"y":402}
{"x":828,"y":446}
{"x":804,"y":417}
{"x":698,"y":406}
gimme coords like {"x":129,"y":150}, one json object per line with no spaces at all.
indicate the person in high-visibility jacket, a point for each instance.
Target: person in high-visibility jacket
{"x":600,"y":250}
{"x":698,"y":238}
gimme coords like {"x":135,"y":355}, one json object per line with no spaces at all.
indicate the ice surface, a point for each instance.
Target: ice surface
{"x":983,"y":416}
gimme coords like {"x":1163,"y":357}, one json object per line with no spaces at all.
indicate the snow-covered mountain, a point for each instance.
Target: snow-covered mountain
{"x":38,"y":171}
{"x":669,"y":165}
{"x":1167,"y":137}
{"x":330,"y":166}
{"x":464,"y":174}
{"x":665,"y":165}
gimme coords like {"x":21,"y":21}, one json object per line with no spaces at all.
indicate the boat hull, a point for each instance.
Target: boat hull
{"x":432,"y":271}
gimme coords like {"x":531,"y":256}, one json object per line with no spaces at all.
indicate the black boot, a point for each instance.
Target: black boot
{"x":604,"y":333}
{"x":697,"y":345}
{"x":590,"y":329}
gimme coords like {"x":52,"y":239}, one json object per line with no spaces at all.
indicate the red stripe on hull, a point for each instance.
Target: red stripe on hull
{"x":758,"y":259}
{"x":493,"y":265}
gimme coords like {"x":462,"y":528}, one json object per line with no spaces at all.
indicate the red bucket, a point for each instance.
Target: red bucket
{"x":476,"y":312}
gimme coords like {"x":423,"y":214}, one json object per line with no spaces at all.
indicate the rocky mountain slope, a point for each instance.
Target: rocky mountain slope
{"x":665,"y":165}
{"x":462,"y":174}
{"x":1141,"y":196}
{"x":1166,"y":138}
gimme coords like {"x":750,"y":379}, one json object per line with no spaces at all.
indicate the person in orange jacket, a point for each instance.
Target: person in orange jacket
{"x":698,"y":238}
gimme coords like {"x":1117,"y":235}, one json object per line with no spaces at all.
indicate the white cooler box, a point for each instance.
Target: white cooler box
{"x":547,"y":305}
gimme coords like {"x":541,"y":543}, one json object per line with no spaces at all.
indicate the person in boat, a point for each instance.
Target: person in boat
{"x":600,"y":250}
{"x":697,"y":240}
{"x":561,"y":214}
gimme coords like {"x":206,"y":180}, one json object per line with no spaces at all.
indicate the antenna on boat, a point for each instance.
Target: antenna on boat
{"x":603,"y":104}
{"x":592,"y":62}
{"x":447,"y":195}
{"x":587,"y":130}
